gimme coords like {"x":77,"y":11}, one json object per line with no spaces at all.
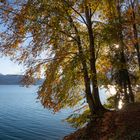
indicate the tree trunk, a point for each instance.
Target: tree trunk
{"x":116,"y":100}
{"x":136,"y":44}
{"x":93,"y":61}
{"x":87,"y":81}
{"x":131,"y":94}
{"x":126,"y":97}
{"x":123,"y":59}
{"x":89,"y":97}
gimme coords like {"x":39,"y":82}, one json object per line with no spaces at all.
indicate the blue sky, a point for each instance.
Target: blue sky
{"x":9,"y":67}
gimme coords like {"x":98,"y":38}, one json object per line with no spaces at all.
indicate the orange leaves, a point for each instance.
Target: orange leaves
{"x":15,"y":44}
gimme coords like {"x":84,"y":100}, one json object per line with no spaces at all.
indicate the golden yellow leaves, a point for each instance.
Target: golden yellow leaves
{"x":16,"y":44}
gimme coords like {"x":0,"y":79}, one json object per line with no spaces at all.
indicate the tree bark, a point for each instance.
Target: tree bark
{"x":95,"y":92}
{"x":123,"y":62}
{"x":89,"y":97}
{"x":126,"y":97}
{"x":87,"y":81}
{"x":136,"y":44}
{"x":131,"y":94}
{"x":135,"y":32}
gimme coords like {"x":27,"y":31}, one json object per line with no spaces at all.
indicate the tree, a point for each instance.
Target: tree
{"x":120,"y":52}
{"x":80,"y":46}
{"x":133,"y":12}
{"x":56,"y":27}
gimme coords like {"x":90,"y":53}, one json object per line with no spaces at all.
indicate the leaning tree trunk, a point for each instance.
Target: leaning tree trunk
{"x":93,"y":61}
{"x":89,"y":97}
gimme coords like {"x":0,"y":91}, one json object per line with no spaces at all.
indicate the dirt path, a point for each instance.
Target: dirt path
{"x":121,"y":125}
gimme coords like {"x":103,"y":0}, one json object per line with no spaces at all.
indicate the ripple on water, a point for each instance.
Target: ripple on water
{"x":21,"y":118}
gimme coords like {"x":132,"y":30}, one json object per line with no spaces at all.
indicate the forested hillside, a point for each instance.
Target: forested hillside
{"x":13,"y":80}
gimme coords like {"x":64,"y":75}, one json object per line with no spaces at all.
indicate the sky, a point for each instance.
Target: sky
{"x":9,"y":67}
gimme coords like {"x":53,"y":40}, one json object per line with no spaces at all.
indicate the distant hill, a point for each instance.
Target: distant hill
{"x":14,"y":80}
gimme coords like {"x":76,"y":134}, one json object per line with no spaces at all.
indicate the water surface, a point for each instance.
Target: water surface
{"x":22,"y":118}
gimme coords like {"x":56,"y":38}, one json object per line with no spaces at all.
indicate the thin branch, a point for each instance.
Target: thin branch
{"x":95,"y":8}
{"x":84,"y":21}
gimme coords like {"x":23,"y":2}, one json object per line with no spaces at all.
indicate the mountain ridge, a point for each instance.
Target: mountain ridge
{"x":14,"y":79}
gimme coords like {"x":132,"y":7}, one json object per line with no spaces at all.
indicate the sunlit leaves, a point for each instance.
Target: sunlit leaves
{"x":45,"y":36}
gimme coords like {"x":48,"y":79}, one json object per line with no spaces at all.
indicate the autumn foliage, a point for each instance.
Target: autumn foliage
{"x":78,"y":46}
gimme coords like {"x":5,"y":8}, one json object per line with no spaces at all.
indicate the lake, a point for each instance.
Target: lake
{"x":23,"y":118}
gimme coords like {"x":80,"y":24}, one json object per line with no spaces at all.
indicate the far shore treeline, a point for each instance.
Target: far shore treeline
{"x":79,"y":46}
{"x":11,"y":79}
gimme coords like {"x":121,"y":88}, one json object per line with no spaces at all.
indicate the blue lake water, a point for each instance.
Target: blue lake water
{"x":22,"y":118}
